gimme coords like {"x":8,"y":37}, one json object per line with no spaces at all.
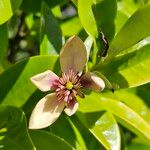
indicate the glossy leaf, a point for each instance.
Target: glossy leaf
{"x":46,"y":141}
{"x":15,"y":134}
{"x":127,"y":117}
{"x":50,"y":33}
{"x":135,"y":29}
{"x":105,"y":19}
{"x":7,"y":7}
{"x":102,"y":125}
{"x":132,"y":100}
{"x":3,"y":41}
{"x":15,"y":85}
{"x":130,"y":70}
{"x":86,"y":17}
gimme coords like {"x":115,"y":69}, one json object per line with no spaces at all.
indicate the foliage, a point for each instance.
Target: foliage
{"x":31,"y":36}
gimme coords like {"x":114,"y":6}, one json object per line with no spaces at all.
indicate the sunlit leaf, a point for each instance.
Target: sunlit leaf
{"x":130,"y":70}
{"x":120,"y":20}
{"x":15,"y":85}
{"x":127,"y":117}
{"x":132,"y":100}
{"x":86,"y":17}
{"x":7,"y":8}
{"x":135,"y":29}
{"x":102,"y":125}
{"x":71,"y":26}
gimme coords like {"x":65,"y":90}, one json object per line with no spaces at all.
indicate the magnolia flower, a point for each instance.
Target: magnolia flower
{"x":73,"y":58}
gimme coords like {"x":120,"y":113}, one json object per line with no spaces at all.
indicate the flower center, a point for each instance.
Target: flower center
{"x":69,"y":85}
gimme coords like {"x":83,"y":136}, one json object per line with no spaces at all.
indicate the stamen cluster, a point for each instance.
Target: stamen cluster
{"x":69,"y":87}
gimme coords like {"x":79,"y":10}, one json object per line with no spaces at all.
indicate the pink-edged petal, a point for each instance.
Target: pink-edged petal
{"x":73,"y":55}
{"x":45,"y":81}
{"x":71,"y":108}
{"x":46,"y":112}
{"x":92,"y":82}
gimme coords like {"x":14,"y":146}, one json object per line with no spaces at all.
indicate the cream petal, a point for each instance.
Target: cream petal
{"x":92,"y":82}
{"x":71,"y":108}
{"x":45,"y":81}
{"x":46,"y":112}
{"x":73,"y":55}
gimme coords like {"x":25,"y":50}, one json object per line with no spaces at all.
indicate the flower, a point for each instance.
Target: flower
{"x":73,"y":58}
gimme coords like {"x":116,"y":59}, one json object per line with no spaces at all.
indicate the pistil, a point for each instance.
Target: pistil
{"x":69,"y":85}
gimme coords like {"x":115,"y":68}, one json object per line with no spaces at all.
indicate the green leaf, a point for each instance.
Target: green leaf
{"x":135,"y":29}
{"x":138,"y":146}
{"x":3,"y":41}
{"x":104,"y":127}
{"x":132,"y":100}
{"x":13,"y":129}
{"x":52,"y":4}
{"x":64,"y":128}
{"x":105,"y":19}
{"x":127,"y":117}
{"x":128,"y":6}
{"x":129,"y":70}
{"x":143,"y":92}
{"x":120,"y":20}
{"x":7,"y":8}
{"x":50,"y":33}
{"x":46,"y":141}
{"x":29,"y":6}
{"x":75,"y":2}
{"x":90,"y":103}
{"x":86,"y":134}
{"x":71,"y":26}
{"x":98,"y":103}
{"x":15,"y":85}
{"x":57,"y":11}
{"x":86,"y":17}
{"x":80,"y":144}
